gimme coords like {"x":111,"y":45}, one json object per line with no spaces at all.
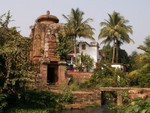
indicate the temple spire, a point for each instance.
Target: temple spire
{"x":48,"y":13}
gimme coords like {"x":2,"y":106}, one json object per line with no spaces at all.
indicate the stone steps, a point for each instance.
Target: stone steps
{"x":90,"y":97}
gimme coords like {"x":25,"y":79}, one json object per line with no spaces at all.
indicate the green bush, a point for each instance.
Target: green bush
{"x":138,"y":106}
{"x":40,"y":99}
{"x":33,"y":100}
{"x":67,"y":96}
{"x":133,"y":78}
{"x":144,"y":76}
{"x":106,"y":76}
{"x":15,"y":65}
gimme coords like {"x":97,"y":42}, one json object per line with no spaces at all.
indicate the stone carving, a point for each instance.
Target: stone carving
{"x":37,"y":45}
{"x":50,"y":41}
{"x":46,"y":47}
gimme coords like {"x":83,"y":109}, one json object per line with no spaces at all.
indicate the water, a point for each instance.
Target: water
{"x":102,"y":109}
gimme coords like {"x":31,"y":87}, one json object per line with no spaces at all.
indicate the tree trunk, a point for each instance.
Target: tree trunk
{"x":114,"y":52}
{"x":75,"y":48}
{"x":117,"y":52}
{"x":75,"y":52}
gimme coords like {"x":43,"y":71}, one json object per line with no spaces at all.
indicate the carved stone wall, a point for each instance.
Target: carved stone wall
{"x":44,"y":42}
{"x":44,"y":38}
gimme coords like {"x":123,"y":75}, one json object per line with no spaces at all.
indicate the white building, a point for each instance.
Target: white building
{"x":119,"y":66}
{"x":91,"y":49}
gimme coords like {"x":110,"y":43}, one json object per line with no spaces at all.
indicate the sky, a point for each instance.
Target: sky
{"x":25,"y":12}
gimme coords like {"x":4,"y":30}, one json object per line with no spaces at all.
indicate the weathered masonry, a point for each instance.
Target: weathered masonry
{"x":133,"y":93}
{"x":44,"y":35}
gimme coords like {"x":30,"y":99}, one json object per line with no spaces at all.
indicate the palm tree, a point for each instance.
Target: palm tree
{"x":146,"y":46}
{"x":77,"y":27}
{"x":84,"y":62}
{"x":115,"y":30}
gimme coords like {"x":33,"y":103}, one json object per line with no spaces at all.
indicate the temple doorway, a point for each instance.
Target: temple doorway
{"x":52,"y":74}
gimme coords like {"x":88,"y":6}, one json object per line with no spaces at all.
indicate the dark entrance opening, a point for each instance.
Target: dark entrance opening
{"x":51,"y":75}
{"x":108,"y":97}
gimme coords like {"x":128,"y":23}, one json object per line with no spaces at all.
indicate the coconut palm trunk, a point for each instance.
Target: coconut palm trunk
{"x":117,"y":52}
{"x":115,"y":56}
{"x":74,"y":50}
{"x":114,"y":53}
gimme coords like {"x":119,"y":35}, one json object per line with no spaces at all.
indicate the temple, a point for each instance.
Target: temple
{"x":44,"y":38}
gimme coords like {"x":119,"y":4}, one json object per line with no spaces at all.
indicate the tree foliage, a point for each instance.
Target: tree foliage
{"x":15,"y":65}
{"x":117,"y":31}
{"x":138,"y":106}
{"x":106,"y":54}
{"x":140,"y":73}
{"x":84,"y":62}
{"x":106,"y":76}
{"x":64,"y":46}
{"x":76,"y":26}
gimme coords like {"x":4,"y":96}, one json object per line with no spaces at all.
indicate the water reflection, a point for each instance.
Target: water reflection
{"x":102,"y":109}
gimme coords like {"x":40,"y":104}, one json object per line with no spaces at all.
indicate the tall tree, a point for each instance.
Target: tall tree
{"x":15,"y":65}
{"x":117,"y":31}
{"x":140,"y":73}
{"x":146,"y":46}
{"x":76,"y":26}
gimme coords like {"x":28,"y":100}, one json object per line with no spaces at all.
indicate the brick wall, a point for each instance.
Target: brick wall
{"x":142,"y":93}
{"x":81,"y":76}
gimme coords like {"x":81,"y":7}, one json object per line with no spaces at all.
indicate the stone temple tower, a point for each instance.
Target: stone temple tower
{"x":44,"y":39}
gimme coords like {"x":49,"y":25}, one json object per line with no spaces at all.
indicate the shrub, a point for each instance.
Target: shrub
{"x":144,"y":76}
{"x":67,"y":96}
{"x":106,"y":76}
{"x":138,"y":106}
{"x":15,"y":65}
{"x":32,"y":100}
{"x":133,"y":78}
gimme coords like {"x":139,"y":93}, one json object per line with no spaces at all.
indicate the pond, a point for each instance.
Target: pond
{"x":102,"y":109}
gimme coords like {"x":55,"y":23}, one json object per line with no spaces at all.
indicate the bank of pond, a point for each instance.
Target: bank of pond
{"x":143,"y":107}
{"x":35,"y":101}
{"x":103,"y":109}
{"x":47,"y":102}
